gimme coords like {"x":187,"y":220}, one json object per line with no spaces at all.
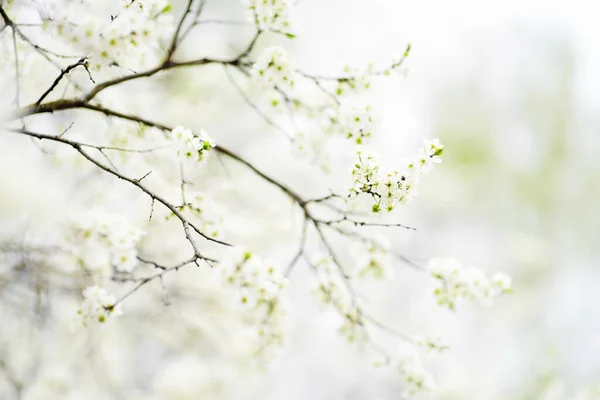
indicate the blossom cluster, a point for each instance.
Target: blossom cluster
{"x":274,"y":68}
{"x":331,"y":290}
{"x":102,"y":243}
{"x":373,"y":261}
{"x":260,"y":290}
{"x":356,"y":123}
{"x":355,"y":81}
{"x":97,"y":305}
{"x":457,"y":283}
{"x":407,"y":363}
{"x":389,"y":187}
{"x":189,"y":148}
{"x":115,"y":32}
{"x":271,"y":15}
{"x":431,"y":343}
{"x":417,"y":381}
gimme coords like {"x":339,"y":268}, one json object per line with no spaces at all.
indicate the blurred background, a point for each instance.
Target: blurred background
{"x":512,"y":89}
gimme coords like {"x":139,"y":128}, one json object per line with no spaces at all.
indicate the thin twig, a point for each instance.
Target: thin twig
{"x":79,"y":148}
{"x":252,"y":105}
{"x":300,"y":251}
{"x":82,"y":62}
{"x":175,"y":40}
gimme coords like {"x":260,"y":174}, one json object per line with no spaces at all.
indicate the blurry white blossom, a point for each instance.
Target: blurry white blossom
{"x":417,"y":381}
{"x":431,"y":343}
{"x":271,"y":14}
{"x":100,"y":242}
{"x":97,"y":305}
{"x":274,"y":68}
{"x":332,"y":290}
{"x":354,"y":123}
{"x":260,"y":289}
{"x":113,"y":32}
{"x":373,"y":261}
{"x":456,"y":282}
{"x":355,"y":82}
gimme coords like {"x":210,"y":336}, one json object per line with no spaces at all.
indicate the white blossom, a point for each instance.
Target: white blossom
{"x":373,"y":261}
{"x":101,"y":242}
{"x":417,"y":381}
{"x":274,"y":68}
{"x":354,"y":123}
{"x":97,"y":305}
{"x":332,"y":291}
{"x":502,"y":282}
{"x":457,"y":283}
{"x":114,"y":32}
{"x":271,"y":14}
{"x":390,"y":187}
{"x":261,"y":294}
{"x":431,"y":343}
{"x":355,"y":82}
{"x":191,"y":149}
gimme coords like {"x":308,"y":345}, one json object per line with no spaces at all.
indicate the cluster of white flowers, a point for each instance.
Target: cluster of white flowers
{"x":355,"y":83}
{"x":373,"y":261}
{"x":274,"y":68}
{"x":427,"y":157}
{"x":465,"y":283}
{"x":97,"y":305}
{"x":191,"y":149}
{"x":331,"y":290}
{"x":318,"y":135}
{"x":354,"y":123}
{"x":407,"y":363}
{"x":121,"y":32}
{"x":271,"y":15}
{"x":390,"y":187}
{"x":431,"y":343}
{"x":260,"y":288}
{"x":416,"y":379}
{"x":102,"y":243}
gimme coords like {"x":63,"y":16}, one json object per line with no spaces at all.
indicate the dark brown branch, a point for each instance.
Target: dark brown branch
{"x":79,"y":148}
{"x":165,"y":270}
{"x":250,"y":46}
{"x":175,"y":40}
{"x":345,"y":218}
{"x":40,"y":50}
{"x":82,"y":62}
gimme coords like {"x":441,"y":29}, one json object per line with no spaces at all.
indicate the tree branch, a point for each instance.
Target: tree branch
{"x":82,"y":62}
{"x":135,"y":182}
